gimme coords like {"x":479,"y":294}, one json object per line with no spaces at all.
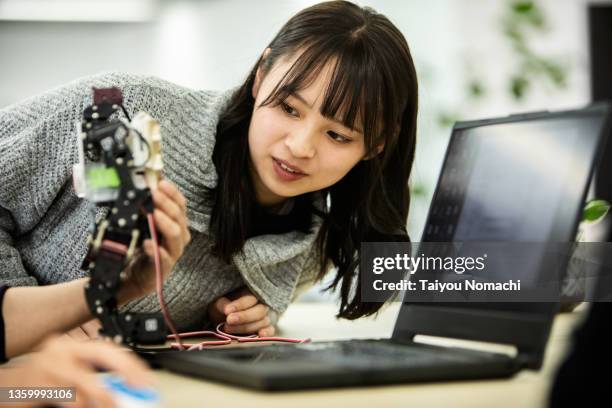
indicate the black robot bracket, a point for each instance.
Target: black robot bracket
{"x":111,"y":177}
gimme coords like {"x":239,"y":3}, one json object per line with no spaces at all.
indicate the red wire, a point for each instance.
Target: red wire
{"x":159,"y":282}
{"x":232,"y":336}
{"x":283,"y":339}
{"x":192,"y":346}
{"x":255,"y":338}
{"x":226,"y":338}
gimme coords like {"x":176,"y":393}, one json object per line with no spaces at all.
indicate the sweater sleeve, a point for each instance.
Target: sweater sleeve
{"x":26,"y":132}
{"x":12,"y":271}
{"x":37,"y":150}
{"x":308,"y":278}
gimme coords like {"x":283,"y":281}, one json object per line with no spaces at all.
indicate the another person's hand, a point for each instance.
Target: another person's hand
{"x":242,"y":314}
{"x":170,"y":216}
{"x":62,"y":362}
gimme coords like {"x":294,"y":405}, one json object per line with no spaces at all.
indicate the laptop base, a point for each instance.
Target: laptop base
{"x":282,"y":367}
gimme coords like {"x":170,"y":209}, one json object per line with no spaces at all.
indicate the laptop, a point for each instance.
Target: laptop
{"x":523,"y":160}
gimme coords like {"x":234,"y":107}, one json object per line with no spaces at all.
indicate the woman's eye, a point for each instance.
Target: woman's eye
{"x":289,"y":109}
{"x":338,"y":138}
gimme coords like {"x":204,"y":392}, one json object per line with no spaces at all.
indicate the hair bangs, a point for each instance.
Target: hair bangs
{"x":353,"y":96}
{"x":302,"y":73}
{"x":354,"y":92}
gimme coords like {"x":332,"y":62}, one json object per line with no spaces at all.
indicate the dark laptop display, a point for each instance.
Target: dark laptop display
{"x":521,"y":178}
{"x":512,"y":181}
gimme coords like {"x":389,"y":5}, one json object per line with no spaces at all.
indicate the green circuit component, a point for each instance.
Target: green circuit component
{"x":102,"y":177}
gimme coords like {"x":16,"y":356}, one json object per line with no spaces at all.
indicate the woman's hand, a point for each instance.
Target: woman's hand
{"x":170,"y":216}
{"x":62,"y":362}
{"x":242,"y":314}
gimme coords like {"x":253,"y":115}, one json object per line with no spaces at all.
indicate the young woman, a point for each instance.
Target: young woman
{"x":281,"y":178}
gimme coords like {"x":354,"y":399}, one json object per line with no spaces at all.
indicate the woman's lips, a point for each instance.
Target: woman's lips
{"x":293,"y":167}
{"x":284,"y":174}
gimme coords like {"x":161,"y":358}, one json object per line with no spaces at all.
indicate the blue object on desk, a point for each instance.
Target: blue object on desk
{"x":130,"y":397}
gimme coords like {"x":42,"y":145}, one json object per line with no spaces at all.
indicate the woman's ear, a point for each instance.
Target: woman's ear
{"x":379,"y":149}
{"x":259,"y":74}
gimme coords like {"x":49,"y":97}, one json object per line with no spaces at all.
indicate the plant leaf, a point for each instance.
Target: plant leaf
{"x":518,"y":87}
{"x":595,"y":210}
{"x":522,"y":7}
{"x":446,"y":119}
{"x":476,"y":89}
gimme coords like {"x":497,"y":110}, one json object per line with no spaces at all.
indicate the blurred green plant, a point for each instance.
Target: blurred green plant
{"x":446,"y":119}
{"x":520,"y":20}
{"x":418,"y":189}
{"x":594,"y":211}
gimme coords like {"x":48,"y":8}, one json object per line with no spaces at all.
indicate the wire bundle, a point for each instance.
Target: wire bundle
{"x":224,"y":338}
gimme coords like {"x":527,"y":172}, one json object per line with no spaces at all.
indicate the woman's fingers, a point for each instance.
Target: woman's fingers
{"x":172,"y":233}
{"x":170,"y":202}
{"x":252,"y":314}
{"x":267,"y":331}
{"x":216,"y":309}
{"x":220,"y":309}
{"x":112,"y":358}
{"x":63,"y":362}
{"x":171,"y":190}
{"x":247,"y":328}
{"x":98,"y":354}
{"x":220,"y":304}
{"x":174,"y":205}
{"x":170,"y":218}
{"x":248,"y":321}
{"x":241,"y":303}
{"x":243,"y":313}
{"x":163,"y":202}
{"x":89,"y":385}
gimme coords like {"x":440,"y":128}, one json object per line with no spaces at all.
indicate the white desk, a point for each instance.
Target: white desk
{"x":526,"y":389}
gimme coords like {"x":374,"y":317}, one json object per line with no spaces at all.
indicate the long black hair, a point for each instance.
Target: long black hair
{"x":373,"y":77}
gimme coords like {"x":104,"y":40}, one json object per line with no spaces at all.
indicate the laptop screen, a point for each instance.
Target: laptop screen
{"x":520,"y":181}
{"x":516,"y":179}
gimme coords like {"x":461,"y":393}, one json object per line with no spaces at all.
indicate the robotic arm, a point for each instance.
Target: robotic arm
{"x":119,"y":165}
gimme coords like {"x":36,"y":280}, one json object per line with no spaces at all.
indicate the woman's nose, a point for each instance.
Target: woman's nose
{"x":301,"y":143}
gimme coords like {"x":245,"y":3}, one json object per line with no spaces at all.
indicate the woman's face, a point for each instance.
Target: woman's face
{"x":293,"y":148}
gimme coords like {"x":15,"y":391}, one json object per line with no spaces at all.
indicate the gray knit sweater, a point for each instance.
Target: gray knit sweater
{"x":43,"y":224}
